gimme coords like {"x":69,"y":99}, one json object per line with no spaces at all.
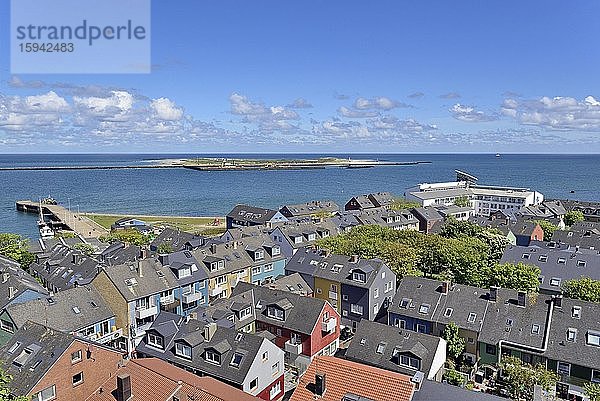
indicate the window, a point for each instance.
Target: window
{"x":155,"y":341}
{"x":389,"y":286}
{"x":555,"y":282}
{"x":490,"y":349}
{"x":471,"y":340}
{"x":244,"y":313}
{"x":78,"y":379}
{"x":376,"y":293}
{"x":221,"y":280}
{"x":405,"y":302}
{"x":421,"y":328}
{"x":380,"y":348}
{"x":254,"y":384}
{"x":269,"y":267}
{"x":563,"y":368}
{"x":571,"y":334}
{"x":275,"y":313}
{"x":581,"y":263}
{"x":359,"y":276}
{"x":319,"y":291}
{"x":275,"y":390}
{"x":214,"y":357}
{"x":76,"y":356}
{"x":256,"y":270}
{"x":14,"y":347}
{"x":183,"y":350}
{"x":7,"y":326}
{"x":535,"y":329}
{"x":576,"y":312}
{"x":424,"y":309}
{"x":448,"y":312}
{"x":561,"y":261}
{"x":595,"y":376}
{"x":472,"y":317}
{"x":236,"y":360}
{"x":344,"y":297}
{"x":276,"y":251}
{"x":265,"y":356}
{"x":383,"y":274}
{"x":407,"y":360}
{"x":400,"y":323}
{"x":275,"y":369}
{"x":375,"y":309}
{"x":357,"y":309}
{"x":543,"y":258}
{"x":333,"y":288}
{"x":45,"y":395}
{"x":593,"y":338}
{"x":526,"y":256}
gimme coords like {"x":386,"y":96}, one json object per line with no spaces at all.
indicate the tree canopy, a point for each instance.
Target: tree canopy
{"x":5,"y":392}
{"x":403,"y":203}
{"x":15,"y":247}
{"x":592,"y":390}
{"x":573,"y":217}
{"x":548,"y":228}
{"x":455,"y":344}
{"x":583,"y":288}
{"x":129,"y":236}
{"x":523,"y":377}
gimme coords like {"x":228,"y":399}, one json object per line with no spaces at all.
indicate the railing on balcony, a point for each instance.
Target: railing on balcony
{"x":329,"y":325}
{"x":190,"y":297}
{"x":142,"y":313}
{"x":333,"y":295}
{"x":293,"y":347}
{"x":167,"y":300}
{"x":107,"y":337}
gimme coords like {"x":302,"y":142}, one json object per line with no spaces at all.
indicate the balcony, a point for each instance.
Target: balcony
{"x":330,"y":325}
{"x":167,"y":300}
{"x":333,"y":295}
{"x":191,"y":297}
{"x":105,"y":338}
{"x":293,"y":348}
{"x":143,"y":313}
{"x":216,"y":291}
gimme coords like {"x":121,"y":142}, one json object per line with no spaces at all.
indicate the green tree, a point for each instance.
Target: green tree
{"x":573,"y":217}
{"x":5,"y":392}
{"x":462,"y":201}
{"x":592,"y":390}
{"x":86,"y":249}
{"x":455,"y":344}
{"x":454,"y":228}
{"x":523,"y":377}
{"x":403,"y":203}
{"x":548,"y":228}
{"x":165,"y":248}
{"x":15,"y":247}
{"x":583,"y":288}
{"x":454,"y":377}
{"x":129,"y":236}
{"x":516,"y":276}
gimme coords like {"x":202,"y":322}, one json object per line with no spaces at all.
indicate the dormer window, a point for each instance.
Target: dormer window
{"x":244,"y":313}
{"x":155,"y":341}
{"x":298,"y":239}
{"x":571,"y":334}
{"x":212,"y":356}
{"x":275,"y":313}
{"x":561,"y":261}
{"x":221,"y":264}
{"x":555,"y":281}
{"x":543,"y":258}
{"x":259,"y":255}
{"x":405,"y":302}
{"x":593,"y":338}
{"x":312,"y":236}
{"x":525,"y":256}
{"x":214,"y":266}
{"x":185,"y":272}
{"x":581,"y":263}
{"x":183,"y":350}
{"x":276,"y":250}
{"x":357,"y":275}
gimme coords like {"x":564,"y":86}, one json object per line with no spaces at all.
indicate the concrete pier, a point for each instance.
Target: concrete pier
{"x":61,"y":216}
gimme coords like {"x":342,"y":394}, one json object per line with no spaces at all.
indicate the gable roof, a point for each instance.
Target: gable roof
{"x":132,"y":285}
{"x":309,"y":208}
{"x":302,"y":316}
{"x":252,"y":214}
{"x":177,"y":239}
{"x":14,"y":281}
{"x":44,"y":346}
{"x":292,"y":283}
{"x":371,"y":337}
{"x":70,"y":310}
{"x":365,"y":381}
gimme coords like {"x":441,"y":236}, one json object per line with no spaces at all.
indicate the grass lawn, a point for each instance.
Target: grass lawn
{"x":189,"y":224}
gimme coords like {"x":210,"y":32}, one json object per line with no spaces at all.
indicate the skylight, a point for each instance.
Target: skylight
{"x":472,"y":317}
{"x":424,"y":309}
{"x":76,"y":310}
{"x":236,"y":360}
{"x":380,"y":348}
{"x":535,"y":329}
{"x":448,"y":312}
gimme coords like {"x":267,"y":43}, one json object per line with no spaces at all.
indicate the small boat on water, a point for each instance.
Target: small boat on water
{"x":46,"y":231}
{"x":497,"y":154}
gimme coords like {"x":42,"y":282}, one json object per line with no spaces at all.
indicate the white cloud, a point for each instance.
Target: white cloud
{"x":352,"y":113}
{"x":300,"y":103}
{"x":377,"y":103}
{"x":470,"y":114}
{"x":166,"y":109}
{"x":557,"y":113}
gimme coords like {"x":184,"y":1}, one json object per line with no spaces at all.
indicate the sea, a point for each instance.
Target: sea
{"x":185,"y":192}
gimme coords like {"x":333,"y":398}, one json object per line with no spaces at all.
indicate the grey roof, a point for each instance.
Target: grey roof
{"x":64,"y":268}
{"x":585,"y":234}
{"x":185,"y":259}
{"x":321,"y":230}
{"x":251,"y":214}
{"x":154,"y":278}
{"x":589,"y":209}
{"x":177,"y":239}
{"x":345,"y":221}
{"x":435,"y":391}
{"x":564,"y":318}
{"x":293,"y":283}
{"x":236,"y":233}
{"x":523,"y":227}
{"x":309,"y":208}
{"x":226,"y":341}
{"x":380,"y":199}
{"x":12,"y":276}
{"x":45,"y":346}
{"x":548,"y":209}
{"x":233,"y":256}
{"x":370,"y":336}
{"x":362,"y":201}
{"x":70,"y":310}
{"x":396,"y":219}
{"x":302,"y":316}
{"x":556,"y":261}
{"x":506,"y":320}
{"x":502,"y":225}
{"x":118,"y":253}
{"x":442,"y":193}
{"x":227,"y":312}
{"x":427,"y":213}
{"x":334,"y":267}
{"x":424,"y":299}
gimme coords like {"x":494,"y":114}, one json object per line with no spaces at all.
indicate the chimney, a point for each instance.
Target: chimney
{"x":235,"y":244}
{"x":521,"y":298}
{"x":213,"y":248}
{"x":5,"y":277}
{"x":164,"y":259}
{"x":209,"y":331}
{"x":138,"y":268}
{"x":354,"y":259}
{"x":123,"y":387}
{"x":143,"y":253}
{"x":76,"y":258}
{"x":558,"y":300}
{"x":445,"y":286}
{"x":320,"y":384}
{"x":11,"y":292}
{"x":493,"y":294}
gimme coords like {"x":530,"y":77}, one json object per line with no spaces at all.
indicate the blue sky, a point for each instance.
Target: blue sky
{"x":335,"y":76}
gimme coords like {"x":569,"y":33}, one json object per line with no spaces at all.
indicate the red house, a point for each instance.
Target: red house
{"x":303,"y":327}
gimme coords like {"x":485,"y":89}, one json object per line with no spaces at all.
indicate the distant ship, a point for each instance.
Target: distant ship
{"x":497,"y":154}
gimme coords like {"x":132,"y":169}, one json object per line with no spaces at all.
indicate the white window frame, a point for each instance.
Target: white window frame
{"x":75,"y":384}
{"x":78,"y":356}
{"x":356,"y":309}
{"x":180,"y":350}
{"x":275,"y":390}
{"x":40,"y":396}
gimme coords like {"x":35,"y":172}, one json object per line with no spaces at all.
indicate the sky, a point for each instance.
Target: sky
{"x":328,"y":77}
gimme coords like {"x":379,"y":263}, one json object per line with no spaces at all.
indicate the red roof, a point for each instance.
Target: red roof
{"x":155,"y":380}
{"x":343,"y":377}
